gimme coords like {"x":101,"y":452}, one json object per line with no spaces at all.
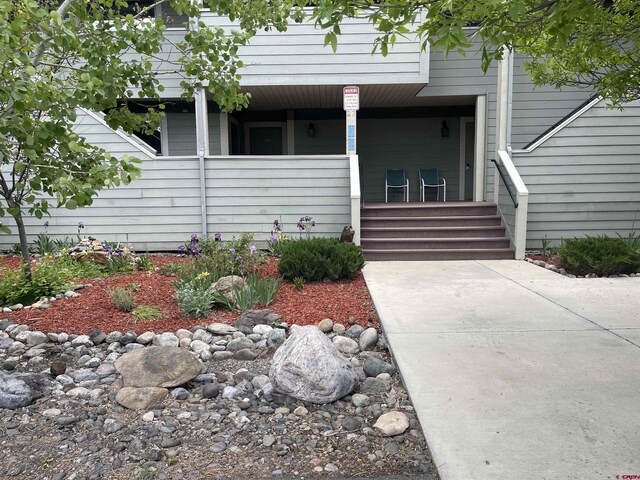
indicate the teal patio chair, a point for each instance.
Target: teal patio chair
{"x":429,"y":178}
{"x":396,"y":178}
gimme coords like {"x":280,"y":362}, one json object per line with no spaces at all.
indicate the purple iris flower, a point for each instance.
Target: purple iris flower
{"x":181,"y":248}
{"x":46,"y":224}
{"x":274,"y":238}
{"x":252,"y":249}
{"x":232,"y":250}
{"x":194,"y":238}
{"x":80,"y":225}
{"x":218,"y":237}
{"x":238,"y":258}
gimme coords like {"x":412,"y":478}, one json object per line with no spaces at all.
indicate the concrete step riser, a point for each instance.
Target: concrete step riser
{"x":429,"y":211}
{"x":418,"y":222}
{"x":382,"y":244}
{"x":416,"y":233}
{"x":435,"y":255}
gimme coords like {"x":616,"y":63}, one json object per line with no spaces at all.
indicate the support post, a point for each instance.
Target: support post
{"x":202,"y":142}
{"x":502,"y":115}
{"x":480,"y":148}
{"x":224,"y":133}
{"x":354,"y":179}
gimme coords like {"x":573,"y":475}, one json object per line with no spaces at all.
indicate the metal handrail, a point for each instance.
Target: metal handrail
{"x":513,"y":196}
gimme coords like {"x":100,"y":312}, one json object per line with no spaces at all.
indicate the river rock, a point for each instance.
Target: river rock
{"x":346,"y":345}
{"x":21,"y":389}
{"x":166,"y":339}
{"x":374,"y":366}
{"x":158,"y":367}
{"x":221,"y":329}
{"x":392,"y":423}
{"x":251,"y":318}
{"x":309,"y":367}
{"x":140,"y":398}
{"x":368,"y":339}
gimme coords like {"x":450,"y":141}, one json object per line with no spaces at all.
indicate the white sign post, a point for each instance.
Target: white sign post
{"x":351,"y":104}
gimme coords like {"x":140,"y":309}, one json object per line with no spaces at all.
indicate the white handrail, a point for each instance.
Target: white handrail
{"x":354,"y":176}
{"x":522,"y":195}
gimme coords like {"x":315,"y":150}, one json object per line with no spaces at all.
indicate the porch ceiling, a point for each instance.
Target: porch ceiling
{"x":284,"y":97}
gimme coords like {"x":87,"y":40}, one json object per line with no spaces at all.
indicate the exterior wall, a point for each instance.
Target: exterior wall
{"x":536,"y":109}
{"x":409,"y":143}
{"x":156,"y":212}
{"x":584,"y":179}
{"x":181,"y":132}
{"x":246,"y":194}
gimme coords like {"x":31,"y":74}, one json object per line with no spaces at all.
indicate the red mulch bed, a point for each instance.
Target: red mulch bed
{"x":94,"y":309}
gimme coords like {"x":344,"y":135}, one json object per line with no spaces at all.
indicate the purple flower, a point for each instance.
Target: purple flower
{"x":194,"y":238}
{"x":274,"y":238}
{"x":218,"y":237}
{"x":238,"y":258}
{"x":80,"y":226}
{"x":232,"y":250}
{"x":181,"y":248}
{"x":46,"y":224}
{"x":313,"y":223}
{"x":252,"y":249}
{"x":277,"y":226}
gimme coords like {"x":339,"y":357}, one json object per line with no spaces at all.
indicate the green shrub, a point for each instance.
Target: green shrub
{"x":119,"y":264}
{"x":317,"y":259}
{"x":169,"y":269}
{"x":123,"y":299}
{"x":237,"y":257}
{"x":257,"y":290}
{"x":144,"y":263}
{"x":600,"y":255}
{"x":51,"y":276}
{"x":43,"y":244}
{"x":146,"y":312}
{"x":194,"y":298}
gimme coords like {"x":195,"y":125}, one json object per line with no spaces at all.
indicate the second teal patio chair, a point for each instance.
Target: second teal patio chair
{"x":429,"y":178}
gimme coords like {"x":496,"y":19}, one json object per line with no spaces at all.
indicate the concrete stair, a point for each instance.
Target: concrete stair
{"x":433,"y":231}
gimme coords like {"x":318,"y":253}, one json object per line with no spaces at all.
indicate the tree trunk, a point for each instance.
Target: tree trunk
{"x":24,"y":245}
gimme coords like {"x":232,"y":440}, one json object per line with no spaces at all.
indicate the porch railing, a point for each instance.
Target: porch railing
{"x":515,"y":206}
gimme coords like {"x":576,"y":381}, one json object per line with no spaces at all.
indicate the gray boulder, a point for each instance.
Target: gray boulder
{"x":140,"y":398}
{"x":374,"y":366}
{"x":368,"y":339}
{"x":226,"y":286}
{"x":251,"y":318}
{"x":20,"y":390}
{"x":158,"y":367}
{"x":310,"y":368}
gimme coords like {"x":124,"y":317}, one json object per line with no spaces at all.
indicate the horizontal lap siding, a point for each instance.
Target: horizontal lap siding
{"x":299,"y":57}
{"x":583,"y":181}
{"x":156,"y":212}
{"x":246,"y":194}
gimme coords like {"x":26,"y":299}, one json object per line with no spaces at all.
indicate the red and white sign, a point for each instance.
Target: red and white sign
{"x":351,"y":98}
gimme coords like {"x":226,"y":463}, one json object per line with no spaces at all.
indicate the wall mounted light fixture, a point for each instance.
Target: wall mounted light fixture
{"x":444,"y":131}
{"x":311,"y":130}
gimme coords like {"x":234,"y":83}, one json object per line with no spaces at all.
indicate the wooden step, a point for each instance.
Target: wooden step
{"x":368,"y":233}
{"x":374,"y":255}
{"x":453,"y":221}
{"x":433,"y":243}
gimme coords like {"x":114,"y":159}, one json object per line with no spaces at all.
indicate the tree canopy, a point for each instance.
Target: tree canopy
{"x":57,"y":56}
{"x":591,"y":43}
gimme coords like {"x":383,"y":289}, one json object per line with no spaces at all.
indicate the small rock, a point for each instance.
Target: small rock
{"x":239,"y":344}
{"x":180,"y":393}
{"x":145,"y":338}
{"x":268,"y":440}
{"x":375,"y":386}
{"x":82,"y":341}
{"x":166,"y":339}
{"x":326,"y":325}
{"x":231,"y":392}
{"x":360,"y":400}
{"x":58,"y":367}
{"x":300,"y":411}
{"x":36,"y":338}
{"x":51,"y":412}
{"x":354,"y":332}
{"x":246,"y":354}
{"x":276,"y":338}
{"x":140,"y":398}
{"x":262,"y":329}
{"x":148,"y":417}
{"x":368,"y":339}
{"x":338,"y":329}
{"x":97,"y":337}
{"x":392,"y":423}
{"x":221,"y":329}
{"x":113,"y":337}
{"x":210,"y":390}
{"x":374,"y":366}
{"x":351,"y":424}
{"x":251,"y":318}
{"x":346,"y":345}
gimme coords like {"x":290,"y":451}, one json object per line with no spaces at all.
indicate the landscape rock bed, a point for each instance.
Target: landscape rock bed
{"x":228,"y":421}
{"x":537,"y":259}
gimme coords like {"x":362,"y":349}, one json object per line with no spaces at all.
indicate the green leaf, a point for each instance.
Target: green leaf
{"x":71,"y":204}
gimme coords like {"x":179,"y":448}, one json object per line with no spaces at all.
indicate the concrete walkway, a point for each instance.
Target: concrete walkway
{"x":516,"y":372}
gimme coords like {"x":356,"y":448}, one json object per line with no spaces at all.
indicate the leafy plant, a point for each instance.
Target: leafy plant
{"x":123,"y":299}
{"x":146,"y":312}
{"x":194,"y":299}
{"x":62,"y":244}
{"x":317,"y":259}
{"x":119,"y":264}
{"x":43,"y":244}
{"x":298,"y":283}
{"x":600,"y":255}
{"x":257,"y":290}
{"x":169,"y":269}
{"x":305,"y":224}
{"x":545,"y":245}
{"x":632,"y":239}
{"x":133,"y":287}
{"x":144,"y":263}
